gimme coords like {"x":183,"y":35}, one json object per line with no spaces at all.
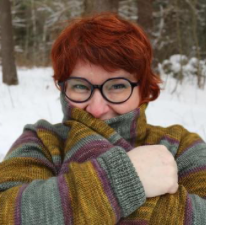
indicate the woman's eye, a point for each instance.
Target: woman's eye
{"x":118,"y":86}
{"x":80,"y":87}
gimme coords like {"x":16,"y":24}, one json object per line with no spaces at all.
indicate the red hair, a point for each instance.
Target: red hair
{"x":110,"y":42}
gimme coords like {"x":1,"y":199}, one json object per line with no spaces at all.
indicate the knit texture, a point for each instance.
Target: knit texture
{"x":78,"y":172}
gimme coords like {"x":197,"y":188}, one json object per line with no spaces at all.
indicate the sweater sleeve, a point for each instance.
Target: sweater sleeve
{"x":35,"y":190}
{"x":188,"y":204}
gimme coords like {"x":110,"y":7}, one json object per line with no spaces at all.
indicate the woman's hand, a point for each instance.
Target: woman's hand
{"x":156,"y":168}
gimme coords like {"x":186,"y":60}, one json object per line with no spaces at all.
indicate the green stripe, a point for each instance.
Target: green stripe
{"x":57,"y":159}
{"x":171,"y":147}
{"x":27,"y":150}
{"x":7,"y":185}
{"x":41,"y":203}
{"x":124,"y":179}
{"x":60,"y":129}
{"x":122,"y":124}
{"x":81,"y":143}
{"x":114,"y":138}
{"x":198,"y":209}
{"x":192,"y":158}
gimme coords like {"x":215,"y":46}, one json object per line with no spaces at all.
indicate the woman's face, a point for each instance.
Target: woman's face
{"x":97,"y":105}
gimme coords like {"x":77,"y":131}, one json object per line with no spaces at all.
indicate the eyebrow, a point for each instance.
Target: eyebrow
{"x":127,"y":76}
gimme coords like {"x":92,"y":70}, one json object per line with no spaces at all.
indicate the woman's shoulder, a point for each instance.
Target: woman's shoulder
{"x":60,"y":129}
{"x":175,"y":130}
{"x":174,"y":134}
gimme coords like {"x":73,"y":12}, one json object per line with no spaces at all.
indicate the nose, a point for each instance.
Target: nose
{"x":97,"y":105}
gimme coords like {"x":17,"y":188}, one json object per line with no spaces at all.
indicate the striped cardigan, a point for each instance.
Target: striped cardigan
{"x":78,"y":172}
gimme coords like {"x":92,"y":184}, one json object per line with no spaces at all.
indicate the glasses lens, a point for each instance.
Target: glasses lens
{"x":77,"y":89}
{"x":117,"y":90}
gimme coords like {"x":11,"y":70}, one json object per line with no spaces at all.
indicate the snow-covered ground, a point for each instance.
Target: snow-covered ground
{"x":36,"y":97}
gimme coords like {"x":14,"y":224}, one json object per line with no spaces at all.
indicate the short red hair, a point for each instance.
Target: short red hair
{"x":111,"y":42}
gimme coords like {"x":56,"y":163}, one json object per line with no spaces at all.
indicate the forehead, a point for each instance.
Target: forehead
{"x":97,"y":74}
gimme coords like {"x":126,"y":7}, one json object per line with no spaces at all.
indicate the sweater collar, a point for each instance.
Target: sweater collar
{"x":131,"y":126}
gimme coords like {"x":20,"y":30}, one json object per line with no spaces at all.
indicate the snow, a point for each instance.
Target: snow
{"x":36,"y":97}
{"x":177,"y":64}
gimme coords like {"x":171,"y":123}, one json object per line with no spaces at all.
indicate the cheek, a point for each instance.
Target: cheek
{"x":79,"y":105}
{"x":128,"y":106}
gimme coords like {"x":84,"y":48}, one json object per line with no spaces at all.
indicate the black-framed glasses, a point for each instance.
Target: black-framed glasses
{"x":115,"y":90}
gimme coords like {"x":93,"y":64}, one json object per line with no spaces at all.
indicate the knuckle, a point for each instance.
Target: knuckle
{"x":169,"y":161}
{"x":163,"y":148}
{"x":170,"y":158}
{"x":173,"y":188}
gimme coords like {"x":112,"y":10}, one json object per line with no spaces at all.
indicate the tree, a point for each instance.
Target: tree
{"x":7,"y":44}
{"x":145,"y":15}
{"x":97,"y":6}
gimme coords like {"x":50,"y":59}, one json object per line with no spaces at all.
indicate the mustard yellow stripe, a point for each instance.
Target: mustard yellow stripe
{"x":170,"y":209}
{"x":88,"y":120}
{"x":8,"y":205}
{"x":76,"y":134}
{"x":145,"y":211}
{"x":197,"y":178}
{"x":51,"y":142}
{"x":190,"y":140}
{"x":27,"y":169}
{"x":154,"y":134}
{"x":89,"y":203}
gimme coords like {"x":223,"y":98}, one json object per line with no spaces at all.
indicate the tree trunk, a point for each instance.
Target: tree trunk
{"x":145,"y":15}
{"x":7,"y":44}
{"x":97,"y":6}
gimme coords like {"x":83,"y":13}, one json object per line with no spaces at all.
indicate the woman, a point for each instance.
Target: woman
{"x":103,"y":164}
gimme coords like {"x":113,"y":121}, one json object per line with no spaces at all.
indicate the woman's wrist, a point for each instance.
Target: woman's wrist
{"x":124,"y":180}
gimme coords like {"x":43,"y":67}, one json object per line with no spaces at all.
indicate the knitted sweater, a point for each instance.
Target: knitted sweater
{"x":78,"y":172}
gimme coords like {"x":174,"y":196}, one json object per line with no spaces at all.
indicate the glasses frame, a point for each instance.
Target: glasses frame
{"x":99,"y":87}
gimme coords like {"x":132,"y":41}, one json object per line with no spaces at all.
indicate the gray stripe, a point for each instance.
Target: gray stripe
{"x":192,"y":158}
{"x":114,"y":138}
{"x":81,"y":143}
{"x":7,"y":185}
{"x":122,"y":124}
{"x":124,"y":180}
{"x":199,"y":210}
{"x":60,"y":129}
{"x":41,"y":203}
{"x":26,"y":150}
{"x":170,"y":146}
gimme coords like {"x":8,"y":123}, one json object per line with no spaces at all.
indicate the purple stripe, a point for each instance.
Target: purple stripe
{"x":90,"y":150}
{"x":124,"y":144}
{"x":47,"y":164}
{"x":65,"y":200}
{"x":188,"y":211}
{"x":69,"y":110}
{"x":64,"y":169}
{"x":26,"y":137}
{"x":58,"y":167}
{"x":44,"y":163}
{"x":17,"y":215}
{"x":107,"y":188}
{"x":192,"y":145}
{"x":191,"y":171}
{"x":133,"y":126}
{"x":170,"y":140}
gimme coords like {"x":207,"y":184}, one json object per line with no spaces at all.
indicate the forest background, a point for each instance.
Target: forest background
{"x":176,"y":29}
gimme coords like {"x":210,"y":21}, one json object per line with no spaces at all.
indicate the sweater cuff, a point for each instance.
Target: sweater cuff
{"x":124,"y":180}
